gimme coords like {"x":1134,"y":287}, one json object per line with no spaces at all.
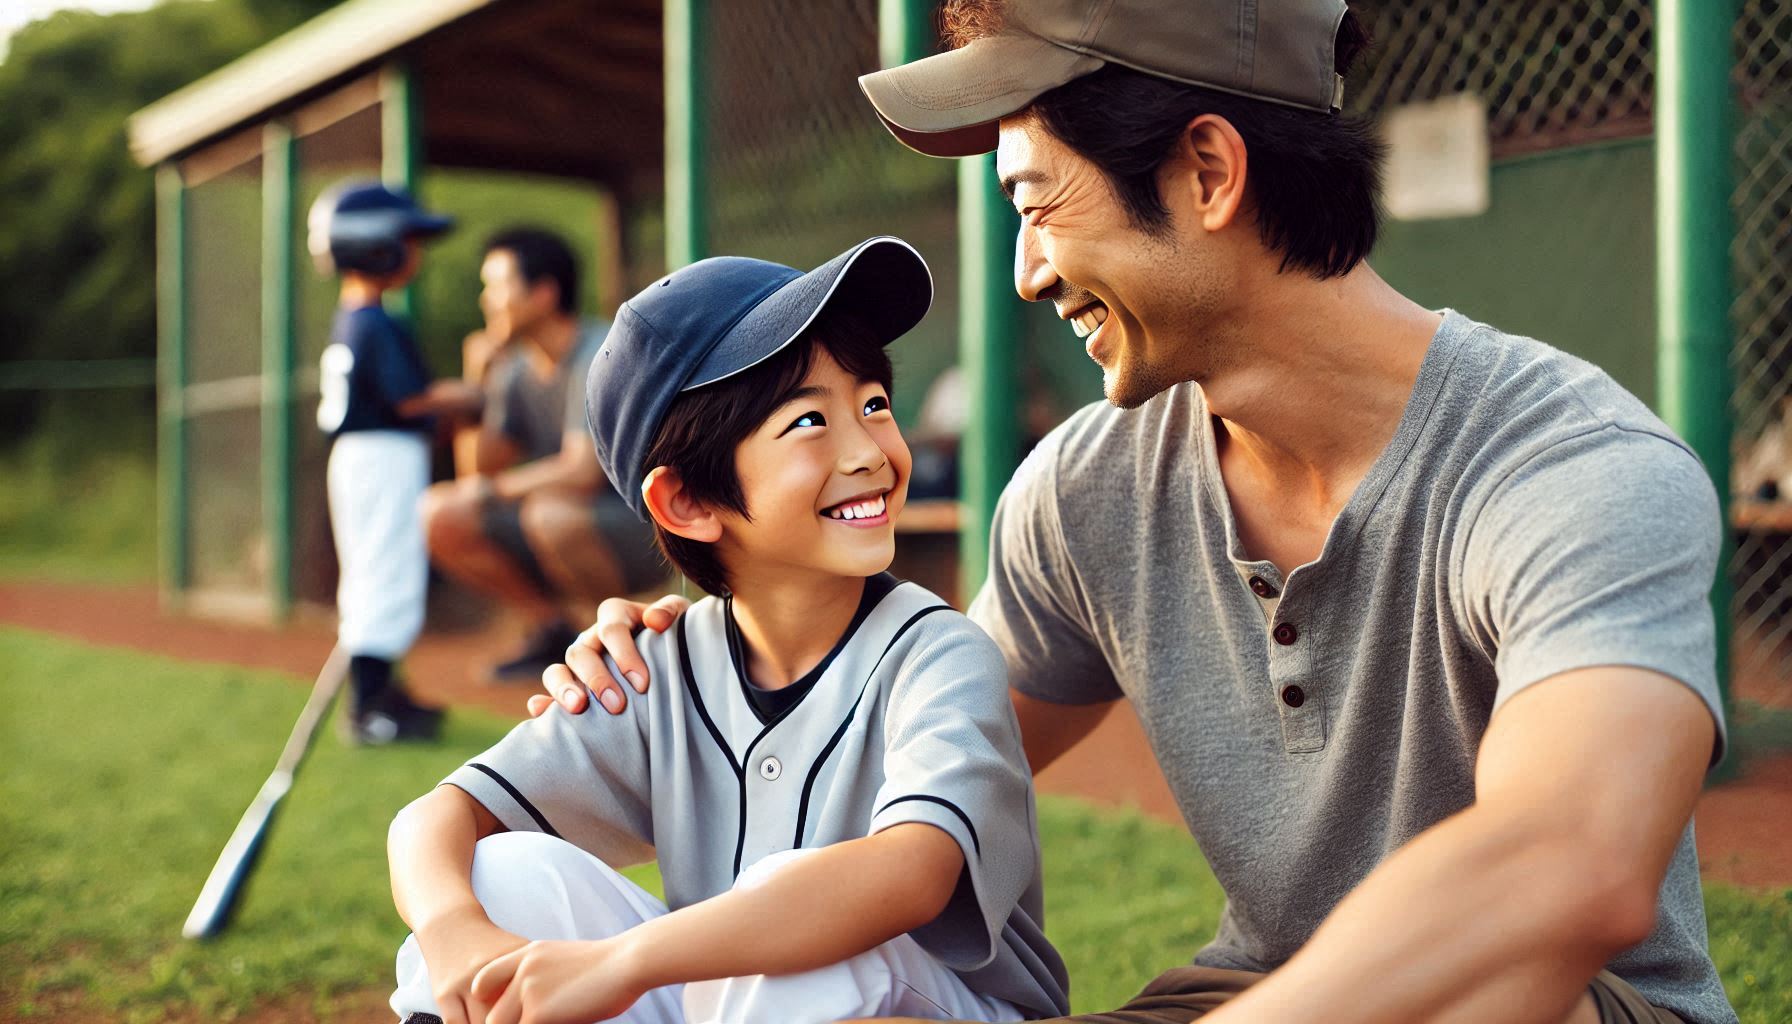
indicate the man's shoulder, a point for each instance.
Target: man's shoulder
{"x":1100,"y":442}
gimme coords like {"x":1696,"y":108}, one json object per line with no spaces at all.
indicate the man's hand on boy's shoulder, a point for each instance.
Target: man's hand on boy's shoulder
{"x":584,"y":670}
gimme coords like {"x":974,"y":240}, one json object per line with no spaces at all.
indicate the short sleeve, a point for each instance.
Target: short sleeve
{"x":1599,"y":550}
{"x":590,"y":340}
{"x":1029,"y":603}
{"x":583,"y":778}
{"x":502,"y":385}
{"x":952,"y":759}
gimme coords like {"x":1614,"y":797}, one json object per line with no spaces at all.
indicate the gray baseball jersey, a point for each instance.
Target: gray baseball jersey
{"x":907,"y":720}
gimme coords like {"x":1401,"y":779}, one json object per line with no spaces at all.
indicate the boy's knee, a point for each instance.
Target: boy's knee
{"x":515,"y":863}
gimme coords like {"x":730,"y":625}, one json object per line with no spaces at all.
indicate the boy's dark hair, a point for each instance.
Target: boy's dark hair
{"x":1314,"y":180}
{"x":703,"y":428}
{"x":541,"y":256}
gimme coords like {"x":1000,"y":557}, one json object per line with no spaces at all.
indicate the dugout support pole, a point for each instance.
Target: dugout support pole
{"x":401,"y":152}
{"x":1693,"y":186}
{"x":989,"y":327}
{"x":687,"y":83}
{"x":171,"y":411}
{"x":279,"y":202}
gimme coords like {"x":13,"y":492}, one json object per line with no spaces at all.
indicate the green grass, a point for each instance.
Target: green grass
{"x":122,"y":774}
{"x":82,"y":516}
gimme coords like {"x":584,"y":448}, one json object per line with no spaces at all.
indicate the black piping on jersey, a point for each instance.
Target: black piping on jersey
{"x":875,"y":590}
{"x":740,"y":774}
{"x":802,"y":810}
{"x":976,"y":846}
{"x":522,"y":801}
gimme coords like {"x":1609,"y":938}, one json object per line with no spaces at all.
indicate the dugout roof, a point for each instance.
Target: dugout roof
{"x":563,"y":87}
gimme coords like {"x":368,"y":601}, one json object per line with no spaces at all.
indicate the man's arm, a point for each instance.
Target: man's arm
{"x":430,"y":851}
{"x":1505,"y":911}
{"x":825,"y":907}
{"x":574,"y":468}
{"x":1047,"y":729}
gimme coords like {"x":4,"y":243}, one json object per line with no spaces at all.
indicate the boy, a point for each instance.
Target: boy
{"x":836,"y":788}
{"x":375,"y":402}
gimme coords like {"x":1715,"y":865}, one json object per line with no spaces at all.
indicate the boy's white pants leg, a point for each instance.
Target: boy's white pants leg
{"x":540,"y":887}
{"x":375,"y":480}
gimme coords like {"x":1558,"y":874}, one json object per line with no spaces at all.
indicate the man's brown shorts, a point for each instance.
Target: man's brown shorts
{"x":1186,"y":993}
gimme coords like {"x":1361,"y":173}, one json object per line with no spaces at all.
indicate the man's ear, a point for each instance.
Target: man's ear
{"x":1208,"y":164}
{"x":672,"y":506}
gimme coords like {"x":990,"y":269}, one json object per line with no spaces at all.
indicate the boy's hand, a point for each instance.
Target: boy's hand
{"x":455,"y":947}
{"x":617,"y":621}
{"x":561,"y":983}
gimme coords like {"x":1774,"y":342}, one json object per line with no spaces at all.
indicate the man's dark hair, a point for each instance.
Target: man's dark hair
{"x":703,"y":428}
{"x":1314,"y":179}
{"x":541,"y":256}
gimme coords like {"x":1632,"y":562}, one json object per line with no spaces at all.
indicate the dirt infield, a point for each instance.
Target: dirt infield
{"x":1741,"y":824}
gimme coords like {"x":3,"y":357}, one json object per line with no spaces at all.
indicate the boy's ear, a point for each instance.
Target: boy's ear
{"x":675,"y":510}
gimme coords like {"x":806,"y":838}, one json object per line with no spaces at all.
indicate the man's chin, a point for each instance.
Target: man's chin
{"x":1129,"y":390}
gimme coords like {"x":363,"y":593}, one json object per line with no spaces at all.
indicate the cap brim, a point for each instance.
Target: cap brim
{"x":883,"y":279}
{"x":949,"y":104}
{"x":426,"y":225}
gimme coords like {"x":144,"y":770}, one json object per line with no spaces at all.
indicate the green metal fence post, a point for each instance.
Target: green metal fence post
{"x":989,"y":325}
{"x":279,"y":201}
{"x":171,"y":351}
{"x":904,"y":31}
{"x":687,"y":85}
{"x":401,"y":150}
{"x":1693,"y":229}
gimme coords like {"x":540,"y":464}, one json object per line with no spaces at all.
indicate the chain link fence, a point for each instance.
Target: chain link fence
{"x":1559,"y":74}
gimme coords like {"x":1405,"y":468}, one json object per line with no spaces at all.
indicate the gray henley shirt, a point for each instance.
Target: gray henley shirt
{"x":1529,"y":517}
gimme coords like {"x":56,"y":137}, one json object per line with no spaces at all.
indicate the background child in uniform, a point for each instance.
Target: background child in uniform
{"x":832,"y":775}
{"x":376,"y":400}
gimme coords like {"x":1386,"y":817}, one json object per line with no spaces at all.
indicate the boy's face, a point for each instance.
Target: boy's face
{"x":824,"y":478}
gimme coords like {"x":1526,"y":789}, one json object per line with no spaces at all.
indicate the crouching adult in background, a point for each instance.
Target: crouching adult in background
{"x":529,"y":518}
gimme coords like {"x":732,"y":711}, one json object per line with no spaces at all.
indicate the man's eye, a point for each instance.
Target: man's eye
{"x":809,"y":419}
{"x":876,"y":404}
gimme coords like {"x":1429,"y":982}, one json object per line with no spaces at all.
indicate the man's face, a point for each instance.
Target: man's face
{"x":1137,"y":300}
{"x":510,"y":306}
{"x":824,"y":478}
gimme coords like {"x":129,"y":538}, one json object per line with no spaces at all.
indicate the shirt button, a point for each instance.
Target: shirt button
{"x":770,"y":769}
{"x":1286,"y":634}
{"x":1293,"y":696}
{"x":1261,"y":588}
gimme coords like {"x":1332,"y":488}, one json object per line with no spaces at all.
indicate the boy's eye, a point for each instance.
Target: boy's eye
{"x":876,"y":404}
{"x":809,"y":419}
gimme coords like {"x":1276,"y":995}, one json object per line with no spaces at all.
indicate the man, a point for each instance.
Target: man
{"x":529,"y":518}
{"x":1413,"y":611}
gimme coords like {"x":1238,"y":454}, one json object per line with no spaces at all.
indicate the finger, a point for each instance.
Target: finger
{"x":565,"y":689}
{"x":452,"y":1011}
{"x":494,"y":978}
{"x":509,"y":1007}
{"x":660,"y":615}
{"x":539,"y":703}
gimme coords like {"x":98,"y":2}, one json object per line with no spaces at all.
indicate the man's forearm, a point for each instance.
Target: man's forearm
{"x":825,"y":907}
{"x":1483,"y":906}
{"x":543,"y":474}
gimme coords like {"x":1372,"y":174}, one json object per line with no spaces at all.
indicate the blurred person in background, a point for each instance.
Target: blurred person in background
{"x":529,"y":518}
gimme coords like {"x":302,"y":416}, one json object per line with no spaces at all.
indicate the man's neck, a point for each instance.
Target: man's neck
{"x":1316,"y":378}
{"x":790,"y":621}
{"x":555,"y":336}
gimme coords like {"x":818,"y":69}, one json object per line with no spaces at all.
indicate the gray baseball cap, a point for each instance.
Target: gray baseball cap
{"x":1276,"y":50}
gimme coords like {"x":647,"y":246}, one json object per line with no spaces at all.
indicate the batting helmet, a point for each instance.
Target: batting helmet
{"x":363,"y":226}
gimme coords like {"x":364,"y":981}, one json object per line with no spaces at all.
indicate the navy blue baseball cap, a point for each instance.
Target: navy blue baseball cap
{"x":362,"y":225}
{"x":721,"y":316}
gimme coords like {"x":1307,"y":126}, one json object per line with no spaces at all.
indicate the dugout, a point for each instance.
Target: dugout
{"x":1632,"y":165}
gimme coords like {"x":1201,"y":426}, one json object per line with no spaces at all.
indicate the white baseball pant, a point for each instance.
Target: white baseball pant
{"x":539,"y":887}
{"x":375,"y":480}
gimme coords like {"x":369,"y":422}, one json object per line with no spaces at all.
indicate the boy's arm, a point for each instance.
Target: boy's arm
{"x":830,"y":905}
{"x":430,"y":850}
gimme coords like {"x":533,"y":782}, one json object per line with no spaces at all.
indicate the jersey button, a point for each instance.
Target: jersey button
{"x":1293,"y":696}
{"x":1261,"y":588}
{"x":1286,"y":634}
{"x":770,"y":769}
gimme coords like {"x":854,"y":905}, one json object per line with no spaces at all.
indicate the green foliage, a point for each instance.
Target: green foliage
{"x":74,"y":509}
{"x":116,"y":809}
{"x":77,"y":256}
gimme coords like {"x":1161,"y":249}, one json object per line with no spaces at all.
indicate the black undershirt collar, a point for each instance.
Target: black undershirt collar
{"x":770,"y":704}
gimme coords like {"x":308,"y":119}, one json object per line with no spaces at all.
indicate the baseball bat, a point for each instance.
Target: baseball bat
{"x":224,"y":885}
